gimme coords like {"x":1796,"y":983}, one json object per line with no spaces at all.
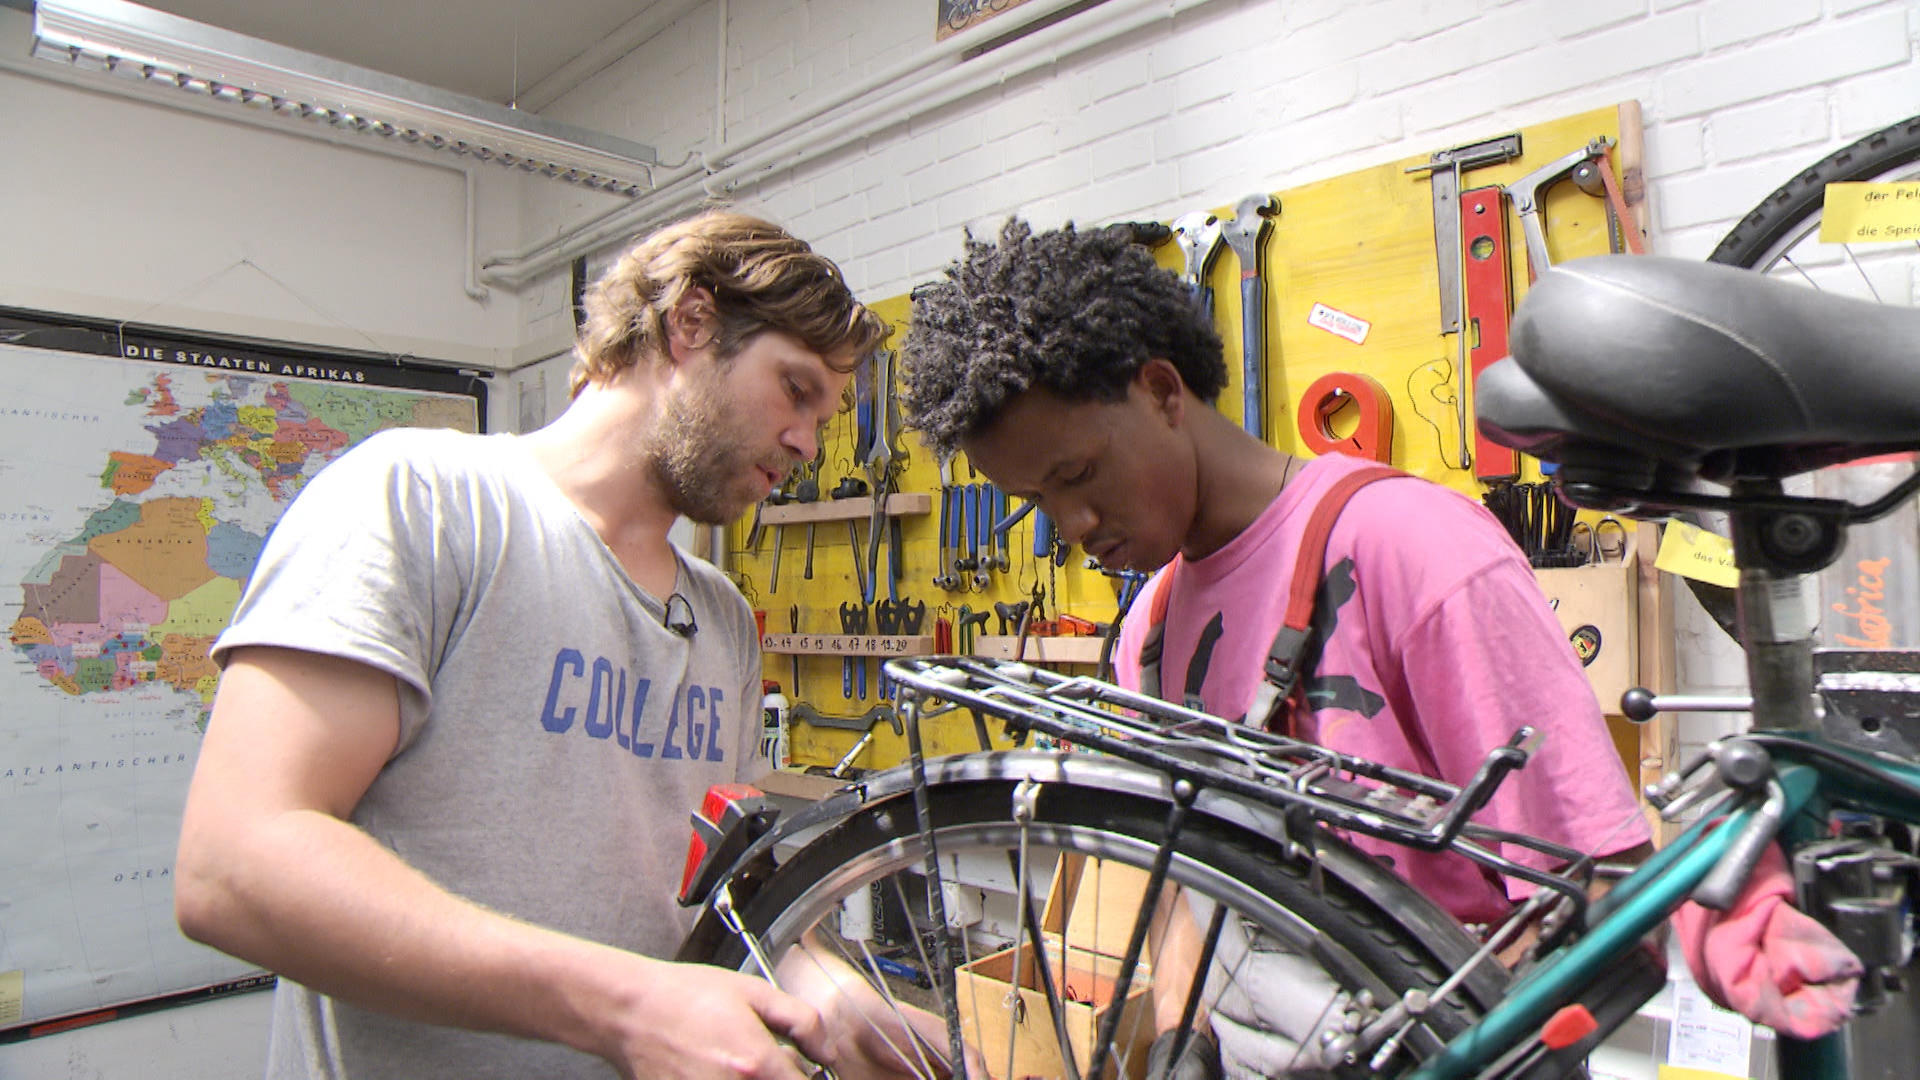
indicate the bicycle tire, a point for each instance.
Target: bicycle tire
{"x":1360,"y":924}
{"x":1795,"y":207}
{"x":1782,"y":220}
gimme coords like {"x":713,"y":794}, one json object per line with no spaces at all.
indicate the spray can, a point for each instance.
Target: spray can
{"x":773,"y":725}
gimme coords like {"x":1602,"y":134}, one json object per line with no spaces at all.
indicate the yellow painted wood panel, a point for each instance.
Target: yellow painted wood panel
{"x":1361,"y":243}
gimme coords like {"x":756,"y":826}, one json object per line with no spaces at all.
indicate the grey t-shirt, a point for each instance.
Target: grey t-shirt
{"x":554,"y":737}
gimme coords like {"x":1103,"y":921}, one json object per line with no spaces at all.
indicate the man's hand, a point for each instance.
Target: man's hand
{"x":693,"y":1022}
{"x":873,"y":1038}
{"x":1517,"y":950}
{"x":271,"y":869}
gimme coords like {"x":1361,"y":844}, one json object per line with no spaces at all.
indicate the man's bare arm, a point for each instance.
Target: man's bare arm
{"x":271,"y":870}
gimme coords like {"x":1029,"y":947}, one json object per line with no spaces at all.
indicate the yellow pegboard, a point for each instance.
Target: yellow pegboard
{"x":1362,"y":244}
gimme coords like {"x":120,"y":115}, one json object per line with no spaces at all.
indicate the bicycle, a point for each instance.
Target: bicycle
{"x":1614,"y":378}
{"x":960,"y":14}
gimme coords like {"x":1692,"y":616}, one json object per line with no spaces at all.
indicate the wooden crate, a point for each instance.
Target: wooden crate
{"x":1088,"y":918}
{"x":1598,"y":607}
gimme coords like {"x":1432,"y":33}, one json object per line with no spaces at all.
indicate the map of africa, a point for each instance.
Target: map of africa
{"x":134,"y":500}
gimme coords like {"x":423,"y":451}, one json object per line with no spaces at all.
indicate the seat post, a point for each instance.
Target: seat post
{"x":1776,"y":627}
{"x":1777,"y":549}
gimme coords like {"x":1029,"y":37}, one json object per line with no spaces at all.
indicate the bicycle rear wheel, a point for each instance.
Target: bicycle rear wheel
{"x":1307,"y":950}
{"x":1781,"y":237}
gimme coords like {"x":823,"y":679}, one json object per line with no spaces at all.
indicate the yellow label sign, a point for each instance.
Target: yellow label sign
{"x":1695,"y":553}
{"x":1871,"y":213}
{"x":13,"y":996}
{"x":1675,"y":1072}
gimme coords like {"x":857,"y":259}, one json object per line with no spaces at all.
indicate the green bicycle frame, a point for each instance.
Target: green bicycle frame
{"x":1645,"y":899}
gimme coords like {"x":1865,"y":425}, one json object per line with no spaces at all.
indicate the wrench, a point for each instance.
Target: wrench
{"x":777,"y":497}
{"x":723,"y":907}
{"x":852,"y":487}
{"x":793,"y":624}
{"x":980,"y":514}
{"x":886,"y":616}
{"x":853,"y":621}
{"x":943,"y":551}
{"x":953,"y":519}
{"x":969,"y":530}
{"x":1001,"y":561}
{"x":1198,"y":234}
{"x":970,"y":624}
{"x":808,"y":491}
{"x":879,"y":477}
{"x":1246,"y":234}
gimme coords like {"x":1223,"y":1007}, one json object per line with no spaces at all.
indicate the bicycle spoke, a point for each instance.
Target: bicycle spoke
{"x":1865,"y":278}
{"x":920,"y":946}
{"x":1066,"y":895}
{"x":875,"y":980}
{"x":1029,"y":923}
{"x":1190,"y":1007}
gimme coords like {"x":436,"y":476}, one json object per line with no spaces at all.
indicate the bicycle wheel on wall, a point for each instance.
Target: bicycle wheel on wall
{"x":1296,"y":955}
{"x":1780,"y":237}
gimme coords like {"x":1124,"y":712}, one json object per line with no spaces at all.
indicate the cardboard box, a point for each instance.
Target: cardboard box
{"x":1598,"y":610}
{"x":1089,"y":916}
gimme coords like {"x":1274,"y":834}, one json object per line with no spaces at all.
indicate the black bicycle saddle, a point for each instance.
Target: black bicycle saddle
{"x":1624,"y":367}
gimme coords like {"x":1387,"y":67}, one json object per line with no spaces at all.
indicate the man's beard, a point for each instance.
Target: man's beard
{"x":700,"y":455}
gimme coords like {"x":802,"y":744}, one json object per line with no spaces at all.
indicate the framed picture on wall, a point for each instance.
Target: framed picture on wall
{"x":957,"y":15}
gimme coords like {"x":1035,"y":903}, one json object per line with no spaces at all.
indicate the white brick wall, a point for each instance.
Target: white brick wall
{"x":1770,"y":127}
{"x":1241,"y":94}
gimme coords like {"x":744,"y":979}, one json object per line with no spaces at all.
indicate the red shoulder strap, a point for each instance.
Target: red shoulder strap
{"x":1309,"y":565}
{"x":1284,"y":670}
{"x":1309,"y":562}
{"x":1150,"y":645}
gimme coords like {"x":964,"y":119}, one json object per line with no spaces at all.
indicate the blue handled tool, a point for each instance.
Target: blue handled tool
{"x":1246,"y":234}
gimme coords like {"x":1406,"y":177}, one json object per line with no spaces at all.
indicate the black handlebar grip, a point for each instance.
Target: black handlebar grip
{"x":1637,"y":705}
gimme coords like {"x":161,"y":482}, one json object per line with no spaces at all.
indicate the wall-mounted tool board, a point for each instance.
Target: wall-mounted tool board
{"x":1351,"y":297}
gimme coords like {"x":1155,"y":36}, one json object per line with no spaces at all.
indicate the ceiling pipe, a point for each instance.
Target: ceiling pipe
{"x":475,"y":290}
{"x":798,"y":147}
{"x":948,"y":53}
{"x":720,"y":16}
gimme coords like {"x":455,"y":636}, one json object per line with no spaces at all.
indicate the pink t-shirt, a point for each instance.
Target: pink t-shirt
{"x":1439,"y":636}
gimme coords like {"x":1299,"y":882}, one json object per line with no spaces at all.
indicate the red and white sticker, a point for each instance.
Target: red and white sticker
{"x":1339,"y":323}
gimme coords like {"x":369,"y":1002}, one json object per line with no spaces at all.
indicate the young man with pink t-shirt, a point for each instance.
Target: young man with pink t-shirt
{"x":1078,"y":374}
{"x":1436,"y":646}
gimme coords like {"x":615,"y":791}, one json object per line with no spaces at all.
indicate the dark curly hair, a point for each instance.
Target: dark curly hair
{"x":1077,"y":313}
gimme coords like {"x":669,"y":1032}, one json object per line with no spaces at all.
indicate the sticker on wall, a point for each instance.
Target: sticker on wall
{"x":13,"y":986}
{"x":1693,"y":552}
{"x":1868,"y":213}
{"x":1586,"y":644}
{"x":1339,"y":323}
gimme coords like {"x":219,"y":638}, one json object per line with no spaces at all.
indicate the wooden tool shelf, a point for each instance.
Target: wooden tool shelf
{"x":1041,"y":650}
{"x":848,"y":644}
{"x":904,"y":504}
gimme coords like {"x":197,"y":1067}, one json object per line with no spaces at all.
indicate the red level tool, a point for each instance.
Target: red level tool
{"x":1488,"y":283}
